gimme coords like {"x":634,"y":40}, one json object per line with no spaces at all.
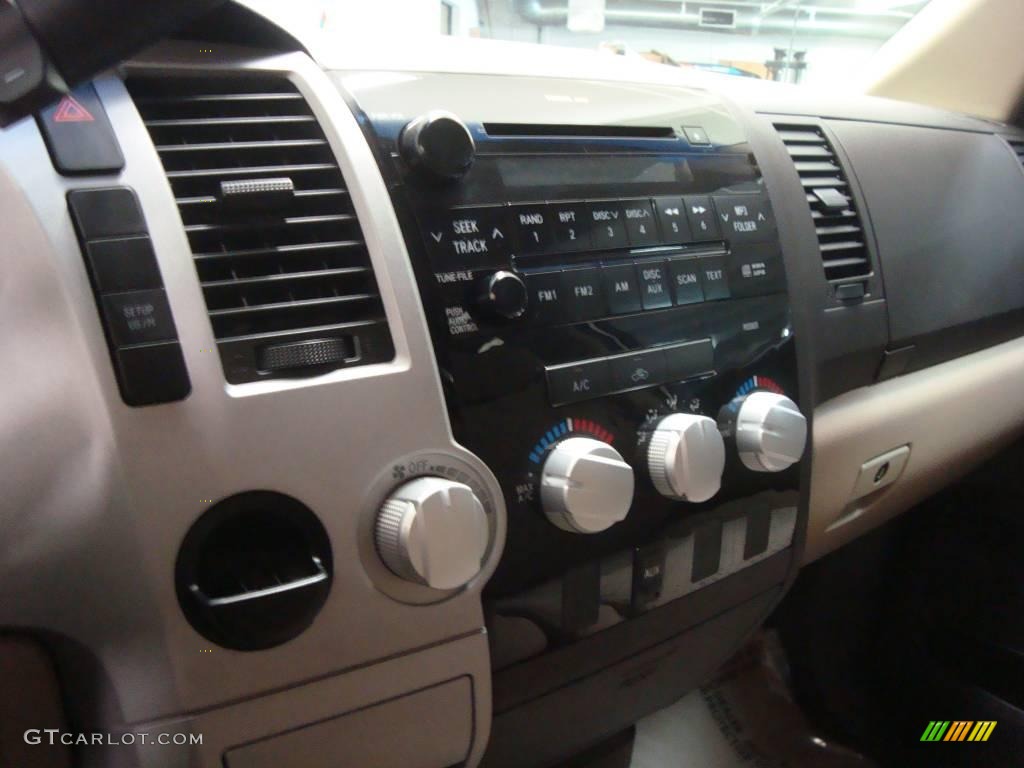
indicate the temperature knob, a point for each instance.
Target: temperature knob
{"x":439,"y":145}
{"x":433,"y":531}
{"x":585,"y":486}
{"x":686,"y":457}
{"x":770,"y":432}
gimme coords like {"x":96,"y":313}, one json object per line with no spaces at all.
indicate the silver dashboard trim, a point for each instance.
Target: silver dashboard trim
{"x":144,"y":475}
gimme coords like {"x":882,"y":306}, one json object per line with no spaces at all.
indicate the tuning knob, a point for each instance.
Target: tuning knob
{"x":502,"y":295}
{"x":433,"y":531}
{"x":770,"y":432}
{"x":686,"y":457}
{"x":439,"y":145}
{"x":585,"y":486}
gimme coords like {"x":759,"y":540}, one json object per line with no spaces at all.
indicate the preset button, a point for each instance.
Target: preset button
{"x":570,"y":225}
{"x":608,"y":225}
{"x":701,"y":216}
{"x":640,"y":223}
{"x":532,"y":228}
{"x":675,"y":227}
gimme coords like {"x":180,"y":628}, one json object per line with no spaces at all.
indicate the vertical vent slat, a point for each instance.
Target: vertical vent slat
{"x":287,"y":261}
{"x":844,"y":254}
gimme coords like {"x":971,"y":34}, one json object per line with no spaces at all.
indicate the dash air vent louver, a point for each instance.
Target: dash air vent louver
{"x":844,"y":254}
{"x":1017,"y":145}
{"x":274,"y":236}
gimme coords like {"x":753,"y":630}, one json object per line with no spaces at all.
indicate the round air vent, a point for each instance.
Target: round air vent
{"x":254,"y":570}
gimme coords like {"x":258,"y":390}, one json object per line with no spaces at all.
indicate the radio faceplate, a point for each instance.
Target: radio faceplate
{"x":587,"y":277}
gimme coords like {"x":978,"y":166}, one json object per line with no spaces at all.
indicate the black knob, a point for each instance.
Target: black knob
{"x":502,"y":295}
{"x":439,"y":145}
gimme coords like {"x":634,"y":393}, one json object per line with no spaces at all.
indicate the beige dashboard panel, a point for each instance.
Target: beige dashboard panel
{"x":952,"y":416}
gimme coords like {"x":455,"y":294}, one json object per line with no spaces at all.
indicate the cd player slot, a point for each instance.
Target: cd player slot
{"x":534,"y":130}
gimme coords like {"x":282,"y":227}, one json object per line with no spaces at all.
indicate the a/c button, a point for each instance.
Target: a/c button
{"x":577,"y":381}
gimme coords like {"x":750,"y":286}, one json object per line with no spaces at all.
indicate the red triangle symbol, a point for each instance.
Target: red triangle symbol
{"x":70,"y":111}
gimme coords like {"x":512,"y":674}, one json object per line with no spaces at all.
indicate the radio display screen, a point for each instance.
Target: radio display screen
{"x":518,"y":171}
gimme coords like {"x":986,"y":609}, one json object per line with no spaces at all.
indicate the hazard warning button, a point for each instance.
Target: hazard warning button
{"x":79,"y":136}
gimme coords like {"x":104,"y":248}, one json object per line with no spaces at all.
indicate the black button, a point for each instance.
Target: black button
{"x":152,"y":374}
{"x":107,"y":212}
{"x":713,"y":278}
{"x":470,"y":237}
{"x":571,"y":226}
{"x":684,"y":361}
{"x":644,"y":369}
{"x":654,"y":284}
{"x":696,"y":135}
{"x":672,"y":217}
{"x":707,"y":550}
{"x":577,"y":381}
{"x":546,"y":298}
{"x":701,"y":216}
{"x":126,"y":264}
{"x":607,"y":225}
{"x":79,"y":136}
{"x":622,"y":289}
{"x":583,"y":294}
{"x":755,"y":275}
{"x":745,"y":218}
{"x":138,"y":317}
{"x":686,"y":281}
{"x":640,"y":224}
{"x":532,"y":229}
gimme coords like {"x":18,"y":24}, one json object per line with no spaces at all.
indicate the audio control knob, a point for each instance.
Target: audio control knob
{"x":439,"y":145}
{"x":770,"y":432}
{"x":586,"y":486}
{"x":502,"y":295}
{"x":686,"y":457}
{"x":433,"y":531}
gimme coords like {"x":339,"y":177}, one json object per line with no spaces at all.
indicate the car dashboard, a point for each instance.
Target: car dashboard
{"x":464,"y":411}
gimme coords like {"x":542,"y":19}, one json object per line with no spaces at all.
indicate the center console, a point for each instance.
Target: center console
{"x":602,"y":273}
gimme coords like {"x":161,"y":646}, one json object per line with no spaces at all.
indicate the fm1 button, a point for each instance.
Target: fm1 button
{"x":701,"y":216}
{"x":545,"y":297}
{"x":577,"y":381}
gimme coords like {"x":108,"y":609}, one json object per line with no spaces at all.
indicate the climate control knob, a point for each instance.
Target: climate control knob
{"x":770,"y":432}
{"x":686,"y":456}
{"x":439,"y":145}
{"x":433,"y":531}
{"x":586,"y":486}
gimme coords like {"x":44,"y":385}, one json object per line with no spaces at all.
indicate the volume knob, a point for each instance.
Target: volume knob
{"x":770,"y":432}
{"x":502,"y":295}
{"x":686,"y":457}
{"x":586,"y":486}
{"x":433,"y":531}
{"x":439,"y":145}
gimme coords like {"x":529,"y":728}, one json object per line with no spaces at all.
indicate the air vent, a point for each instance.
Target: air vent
{"x":274,"y":237}
{"x":836,"y":221}
{"x":1017,"y":145}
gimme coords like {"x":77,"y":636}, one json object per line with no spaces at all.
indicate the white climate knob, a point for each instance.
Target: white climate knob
{"x":686,"y":457}
{"x":585,"y":486}
{"x":770,"y":432}
{"x":433,"y":531}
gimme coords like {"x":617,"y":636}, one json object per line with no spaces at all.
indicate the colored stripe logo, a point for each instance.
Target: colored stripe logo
{"x":958,"y":730}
